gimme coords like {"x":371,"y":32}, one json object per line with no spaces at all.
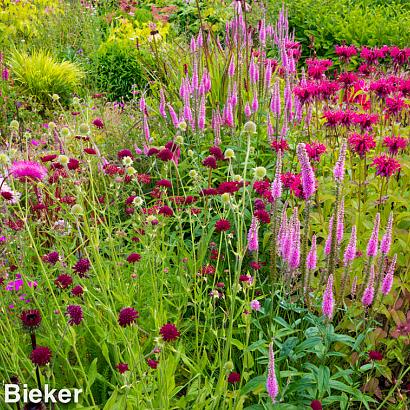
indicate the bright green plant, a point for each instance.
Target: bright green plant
{"x":39,"y":75}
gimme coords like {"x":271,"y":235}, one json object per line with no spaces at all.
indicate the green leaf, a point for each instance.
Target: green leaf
{"x":92,"y":372}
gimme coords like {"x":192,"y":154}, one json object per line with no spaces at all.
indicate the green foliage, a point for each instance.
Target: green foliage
{"x":40,"y":76}
{"x":361,"y":22}
{"x":117,"y":66}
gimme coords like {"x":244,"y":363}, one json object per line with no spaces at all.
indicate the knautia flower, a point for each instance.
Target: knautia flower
{"x":373,"y":243}
{"x":30,"y":319}
{"x":169,"y":332}
{"x":388,"y":279}
{"x":272,"y":386}
{"x":350,"y":252}
{"x":339,"y":169}
{"x":127,"y":316}
{"x":311,"y":259}
{"x":27,"y":170}
{"x":75,"y":314}
{"x":308,"y":176}
{"x":328,"y":299}
{"x":250,"y":127}
{"x":229,"y":154}
{"x":41,"y":356}
{"x":386,"y":239}
{"x":253,"y":241}
{"x":368,"y":294}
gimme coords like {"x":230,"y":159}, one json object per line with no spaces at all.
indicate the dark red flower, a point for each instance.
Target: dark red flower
{"x":216,"y":152}
{"x":210,"y":162}
{"x":98,"y":122}
{"x":52,"y":258}
{"x":262,"y":215}
{"x":228,"y":187}
{"x":82,"y":267}
{"x":375,"y":355}
{"x":166,"y":183}
{"x":133,"y":257}
{"x":152,"y":151}
{"x":166,"y":211}
{"x":122,"y":367}
{"x":234,"y":377}
{"x":48,"y":158}
{"x":73,"y":164}
{"x":63,"y":281}
{"x":90,"y":151}
{"x":124,"y":153}
{"x":209,"y":192}
{"x":165,"y":155}
{"x":30,"y":319}
{"x":316,"y":405}
{"x":144,"y":178}
{"x":152,"y":363}
{"x":40,"y":356}
{"x":77,"y":290}
{"x":127,"y":316}
{"x":222,"y":225}
{"x":169,"y":332}
{"x":75,"y":314}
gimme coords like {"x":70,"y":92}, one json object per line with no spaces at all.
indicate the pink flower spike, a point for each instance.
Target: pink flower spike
{"x":271,"y":382}
{"x":253,"y":241}
{"x":339,"y":169}
{"x":340,"y":222}
{"x":374,"y":238}
{"x":368,"y":294}
{"x":350,"y":252}
{"x":308,"y":177}
{"x":388,"y":279}
{"x":328,"y":300}
{"x":386,"y":239}
{"x":311,"y":259}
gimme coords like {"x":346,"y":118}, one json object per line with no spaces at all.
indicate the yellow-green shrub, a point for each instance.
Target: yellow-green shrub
{"x":40,"y":76}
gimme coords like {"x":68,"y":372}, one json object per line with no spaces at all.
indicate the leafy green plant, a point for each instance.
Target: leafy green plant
{"x":39,"y":75}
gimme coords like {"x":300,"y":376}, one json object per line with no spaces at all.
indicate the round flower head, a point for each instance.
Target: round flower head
{"x":122,"y":367}
{"x":30,"y":319}
{"x":255,"y":305}
{"x":250,"y":127}
{"x":260,"y":172}
{"x":234,"y":378}
{"x":169,"y":332}
{"x":152,"y":363}
{"x":316,"y":405}
{"x":28,"y":170}
{"x":229,"y":154}
{"x":222,"y":225}
{"x":75,"y":314}
{"x":41,"y":356}
{"x":127,"y":316}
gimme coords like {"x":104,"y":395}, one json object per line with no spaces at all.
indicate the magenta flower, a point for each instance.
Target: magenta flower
{"x":386,"y":166}
{"x":271,"y":382}
{"x":75,"y":314}
{"x":350,"y":252}
{"x":253,"y":241}
{"x":311,"y":259}
{"x":339,"y":169}
{"x":368,"y":294}
{"x":388,"y":279}
{"x":386,"y":239}
{"x":372,"y":245}
{"x":255,"y":305}
{"x":308,"y":177}
{"x":28,"y":170}
{"x":328,"y":300}
{"x":340,"y":222}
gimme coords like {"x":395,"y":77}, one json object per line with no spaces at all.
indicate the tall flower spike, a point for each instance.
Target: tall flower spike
{"x":328,"y":300}
{"x":350,"y":252}
{"x":162,"y":104}
{"x":388,"y":279}
{"x":374,"y":238}
{"x":328,"y":243}
{"x":386,"y":240}
{"x":339,"y":169}
{"x":253,"y":241}
{"x":295,"y":252}
{"x":271,"y":382}
{"x":354,"y":287}
{"x":308,"y":177}
{"x":276,"y":186}
{"x":368,"y":294}
{"x":311,"y":259}
{"x":340,"y":222}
